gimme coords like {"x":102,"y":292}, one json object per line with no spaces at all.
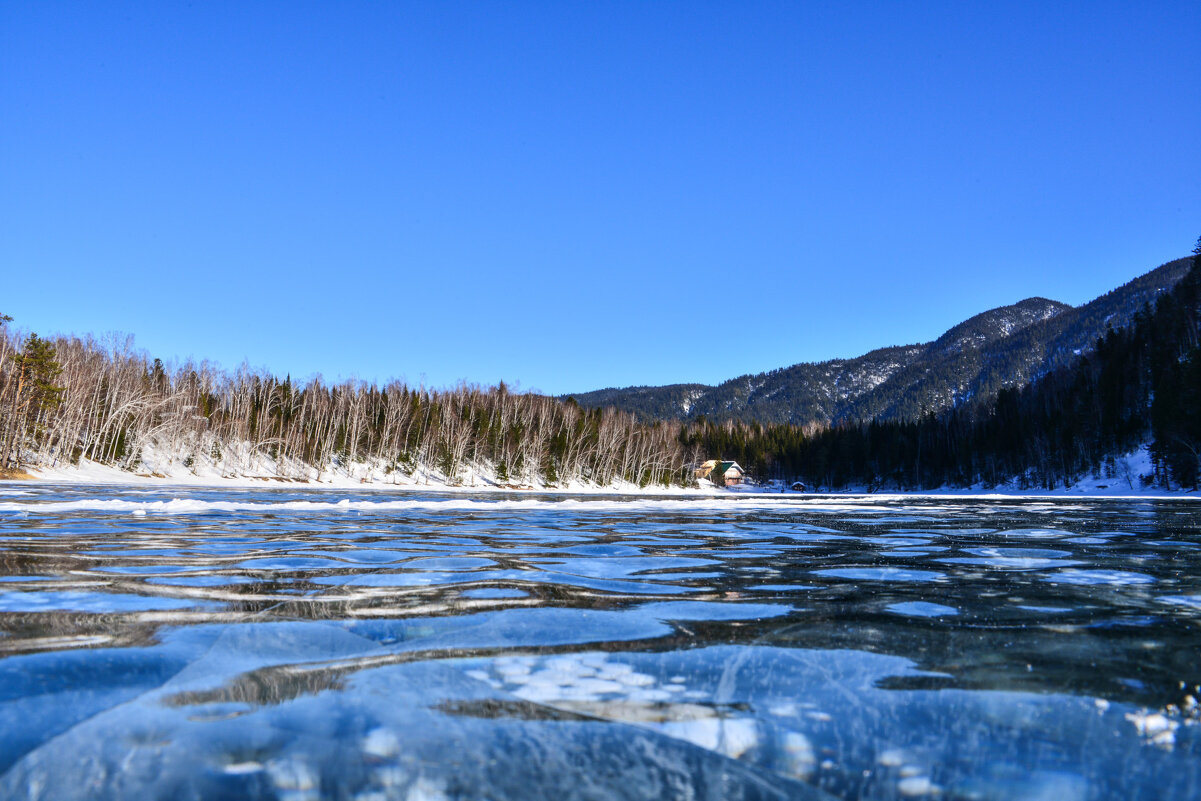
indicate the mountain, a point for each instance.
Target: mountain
{"x":1004,"y":347}
{"x":1127,"y":413}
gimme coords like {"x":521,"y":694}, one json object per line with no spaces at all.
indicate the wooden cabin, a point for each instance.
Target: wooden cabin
{"x":727,"y":474}
{"x":721,"y":473}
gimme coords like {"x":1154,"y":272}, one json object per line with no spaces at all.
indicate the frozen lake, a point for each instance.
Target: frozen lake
{"x":182,"y":643}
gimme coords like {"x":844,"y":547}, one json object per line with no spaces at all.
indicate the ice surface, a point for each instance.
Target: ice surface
{"x":295,"y":644}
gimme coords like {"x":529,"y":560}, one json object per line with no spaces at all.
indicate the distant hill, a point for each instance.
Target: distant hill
{"x":1003,"y":347}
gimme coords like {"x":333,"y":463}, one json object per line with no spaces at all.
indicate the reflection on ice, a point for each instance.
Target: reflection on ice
{"x":707,"y":610}
{"x":494,"y":592}
{"x":922,"y":609}
{"x":200,"y":581}
{"x":880,"y":574}
{"x":1114,"y":578}
{"x":1032,"y":533}
{"x":781,"y":587}
{"x":1013,"y":558}
{"x":1190,"y":601}
{"x":77,"y":601}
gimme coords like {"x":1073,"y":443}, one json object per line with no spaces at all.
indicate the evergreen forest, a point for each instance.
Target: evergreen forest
{"x":1140,"y":384}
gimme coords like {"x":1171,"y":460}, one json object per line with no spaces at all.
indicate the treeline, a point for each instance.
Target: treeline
{"x":69,"y":399}
{"x":1142,"y":383}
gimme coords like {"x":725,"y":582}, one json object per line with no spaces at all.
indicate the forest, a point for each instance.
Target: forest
{"x":1141,"y":383}
{"x":67,"y":399}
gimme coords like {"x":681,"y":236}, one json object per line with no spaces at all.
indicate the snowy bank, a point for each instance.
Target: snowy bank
{"x":206,"y":472}
{"x":1126,"y":482}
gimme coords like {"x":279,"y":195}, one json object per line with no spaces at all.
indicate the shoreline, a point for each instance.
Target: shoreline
{"x":92,"y":474}
{"x":96,"y":474}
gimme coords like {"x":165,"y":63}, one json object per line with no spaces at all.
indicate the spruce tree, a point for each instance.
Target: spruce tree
{"x":36,"y":372}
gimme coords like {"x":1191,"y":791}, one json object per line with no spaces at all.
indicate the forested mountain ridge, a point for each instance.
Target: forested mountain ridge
{"x":1004,"y":347}
{"x":1140,"y":386}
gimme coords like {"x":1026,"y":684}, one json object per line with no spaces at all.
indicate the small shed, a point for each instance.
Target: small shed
{"x":705,"y":468}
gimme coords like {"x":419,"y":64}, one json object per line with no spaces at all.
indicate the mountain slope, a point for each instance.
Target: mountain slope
{"x":1138,"y":390}
{"x":1003,"y":347}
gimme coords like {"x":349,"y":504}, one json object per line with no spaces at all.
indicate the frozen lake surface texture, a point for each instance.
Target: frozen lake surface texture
{"x":171,"y":643}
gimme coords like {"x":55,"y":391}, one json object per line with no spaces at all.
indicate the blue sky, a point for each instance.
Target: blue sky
{"x":572,"y":195}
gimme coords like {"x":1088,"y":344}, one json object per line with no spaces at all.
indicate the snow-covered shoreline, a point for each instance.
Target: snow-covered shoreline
{"x":90,"y":473}
{"x":93,"y":473}
{"x":163,"y":470}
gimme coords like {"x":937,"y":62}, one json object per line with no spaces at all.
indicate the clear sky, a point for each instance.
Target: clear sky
{"x":573,"y":195}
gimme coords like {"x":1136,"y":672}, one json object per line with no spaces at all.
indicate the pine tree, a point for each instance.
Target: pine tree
{"x":36,"y":371}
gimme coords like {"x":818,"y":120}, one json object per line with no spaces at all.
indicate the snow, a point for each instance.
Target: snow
{"x":1129,"y":470}
{"x":691,"y":399}
{"x":1155,"y":727}
{"x":1126,"y":481}
{"x":161,"y":468}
